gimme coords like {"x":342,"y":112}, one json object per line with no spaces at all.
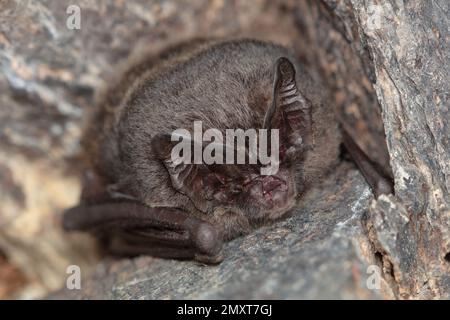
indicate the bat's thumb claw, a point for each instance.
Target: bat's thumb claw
{"x":207,"y":240}
{"x":209,"y":259}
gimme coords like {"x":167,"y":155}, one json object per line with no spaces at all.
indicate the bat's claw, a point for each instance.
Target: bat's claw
{"x":206,"y":259}
{"x":208,"y":242}
{"x":206,"y":238}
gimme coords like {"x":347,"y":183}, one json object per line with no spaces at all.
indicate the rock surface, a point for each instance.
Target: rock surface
{"x":410,"y":49}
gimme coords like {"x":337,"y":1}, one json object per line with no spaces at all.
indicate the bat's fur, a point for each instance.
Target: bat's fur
{"x":225,"y":84}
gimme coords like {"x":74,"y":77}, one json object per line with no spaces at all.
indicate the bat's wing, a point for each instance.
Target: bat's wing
{"x":130,"y":228}
{"x":379,"y":181}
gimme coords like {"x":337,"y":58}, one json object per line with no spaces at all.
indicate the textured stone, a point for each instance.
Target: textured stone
{"x":410,"y":49}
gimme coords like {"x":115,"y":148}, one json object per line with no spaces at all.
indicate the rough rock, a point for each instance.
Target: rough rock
{"x":409,"y":45}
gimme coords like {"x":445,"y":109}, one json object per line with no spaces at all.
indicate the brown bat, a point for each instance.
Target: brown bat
{"x":137,"y":200}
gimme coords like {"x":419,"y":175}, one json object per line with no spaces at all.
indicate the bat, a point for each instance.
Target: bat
{"x":138,"y":200}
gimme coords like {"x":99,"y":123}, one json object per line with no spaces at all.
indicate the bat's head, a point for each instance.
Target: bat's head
{"x":262,"y":189}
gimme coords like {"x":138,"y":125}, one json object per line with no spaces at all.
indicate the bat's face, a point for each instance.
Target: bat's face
{"x":243,"y":189}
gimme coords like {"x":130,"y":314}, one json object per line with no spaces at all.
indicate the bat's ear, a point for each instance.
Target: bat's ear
{"x":290,"y":111}
{"x":180,"y":168}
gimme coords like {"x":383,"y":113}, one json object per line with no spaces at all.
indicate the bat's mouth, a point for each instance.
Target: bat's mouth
{"x":273,"y":194}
